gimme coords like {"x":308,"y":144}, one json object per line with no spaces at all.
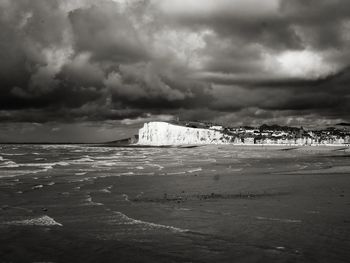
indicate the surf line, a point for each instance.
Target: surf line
{"x":131,"y":221}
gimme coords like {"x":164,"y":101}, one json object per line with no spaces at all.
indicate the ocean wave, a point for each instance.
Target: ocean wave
{"x":15,"y":173}
{"x":12,"y":154}
{"x":127,"y":173}
{"x":135,"y":157}
{"x":105,"y":190}
{"x":126,"y":197}
{"x":12,"y":169}
{"x":57,"y":146}
{"x":123,"y":219}
{"x":108,"y":157}
{"x":195,"y":170}
{"x":155,"y":165}
{"x":88,"y":201}
{"x":99,"y":164}
{"x":12,"y":164}
{"x":85,"y":159}
{"x":9,"y":174}
{"x":175,"y":173}
{"x":38,"y":221}
{"x":114,"y":162}
{"x":8,"y":164}
{"x":278,"y":219}
{"x":81,"y":173}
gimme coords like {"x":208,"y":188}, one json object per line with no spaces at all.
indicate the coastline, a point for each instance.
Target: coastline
{"x":163,"y":133}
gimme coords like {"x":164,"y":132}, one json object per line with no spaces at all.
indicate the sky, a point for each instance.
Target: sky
{"x":96,"y":70}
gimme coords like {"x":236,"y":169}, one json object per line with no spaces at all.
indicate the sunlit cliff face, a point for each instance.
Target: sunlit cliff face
{"x":72,"y":64}
{"x":162,"y":133}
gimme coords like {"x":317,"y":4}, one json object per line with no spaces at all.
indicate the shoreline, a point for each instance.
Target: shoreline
{"x":136,"y":145}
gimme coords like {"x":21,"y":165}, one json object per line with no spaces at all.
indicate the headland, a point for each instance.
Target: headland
{"x":163,"y":133}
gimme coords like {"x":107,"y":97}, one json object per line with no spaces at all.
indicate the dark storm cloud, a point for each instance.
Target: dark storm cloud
{"x":272,"y":32}
{"x":272,"y":23}
{"x":144,"y":85}
{"x":106,"y":33}
{"x":100,"y":60}
{"x":89,"y":61}
{"x":328,"y":96}
{"x":266,"y":27}
{"x":322,"y":22}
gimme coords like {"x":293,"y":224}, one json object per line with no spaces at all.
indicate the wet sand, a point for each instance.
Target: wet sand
{"x":204,"y":204}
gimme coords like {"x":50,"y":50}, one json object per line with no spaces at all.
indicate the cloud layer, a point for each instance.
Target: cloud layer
{"x":232,"y":61}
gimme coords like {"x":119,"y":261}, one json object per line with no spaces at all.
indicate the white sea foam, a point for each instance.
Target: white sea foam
{"x":13,"y":154}
{"x":109,"y":157}
{"x":8,"y":164}
{"x":85,"y":159}
{"x":126,"y":197}
{"x":195,"y":170}
{"x":41,"y":167}
{"x":182,"y":209}
{"x":123,"y":219}
{"x":82,"y":173}
{"x":14,"y":173}
{"x":78,"y":151}
{"x":39,"y":221}
{"x":12,"y":164}
{"x":280,"y":248}
{"x":176,"y":173}
{"x":127,"y":173}
{"x":57,"y":146}
{"x":151,"y":173}
{"x":89,"y":201}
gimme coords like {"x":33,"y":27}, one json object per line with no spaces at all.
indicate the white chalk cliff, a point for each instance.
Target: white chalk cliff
{"x":163,"y":133}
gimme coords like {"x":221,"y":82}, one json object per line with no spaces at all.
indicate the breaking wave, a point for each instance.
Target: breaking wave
{"x":88,"y":201}
{"x":8,"y":164}
{"x":123,"y":219}
{"x":39,"y":221}
{"x":195,"y":170}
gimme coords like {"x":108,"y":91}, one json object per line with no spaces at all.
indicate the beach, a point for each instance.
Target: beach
{"x":213,"y":203}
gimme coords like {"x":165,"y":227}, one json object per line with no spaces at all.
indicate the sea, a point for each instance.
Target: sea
{"x":210,"y":203}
